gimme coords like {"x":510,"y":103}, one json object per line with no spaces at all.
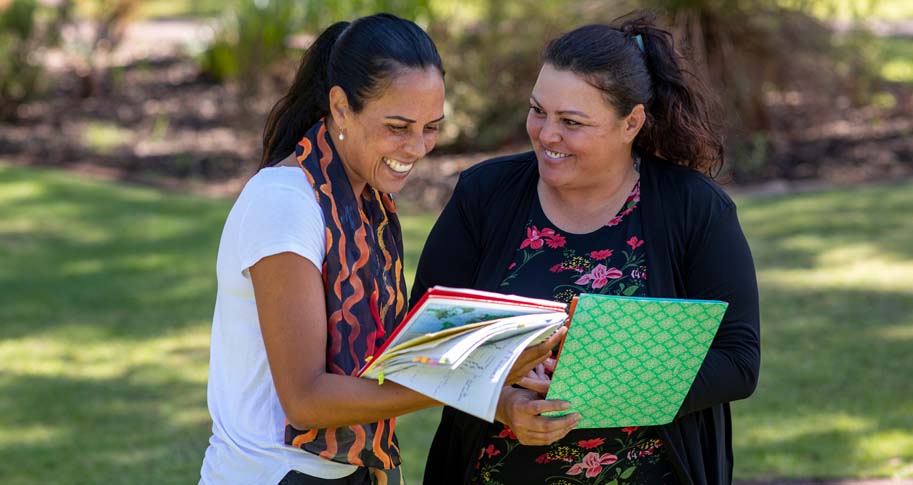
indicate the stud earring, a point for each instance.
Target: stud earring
{"x":341,"y":136}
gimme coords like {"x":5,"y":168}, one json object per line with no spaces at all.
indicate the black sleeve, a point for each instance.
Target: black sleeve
{"x":720,"y":267}
{"x":453,"y":249}
{"x":451,"y":257}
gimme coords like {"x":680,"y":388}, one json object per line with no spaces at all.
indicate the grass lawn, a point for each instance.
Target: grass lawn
{"x":107,"y":292}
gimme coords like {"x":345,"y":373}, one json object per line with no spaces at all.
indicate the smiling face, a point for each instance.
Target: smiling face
{"x":580,"y":140}
{"x":392,"y":132}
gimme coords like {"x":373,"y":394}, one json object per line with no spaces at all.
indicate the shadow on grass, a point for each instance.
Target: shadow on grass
{"x":791,"y":232}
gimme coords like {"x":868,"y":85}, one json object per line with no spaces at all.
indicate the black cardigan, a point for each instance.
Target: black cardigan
{"x":695,"y":249}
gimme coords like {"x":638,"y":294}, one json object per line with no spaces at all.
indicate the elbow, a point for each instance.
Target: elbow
{"x":302,"y":410}
{"x":302,"y":416}
{"x":750,"y":373}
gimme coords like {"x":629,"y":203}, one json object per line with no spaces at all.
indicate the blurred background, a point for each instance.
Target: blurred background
{"x":127,"y":127}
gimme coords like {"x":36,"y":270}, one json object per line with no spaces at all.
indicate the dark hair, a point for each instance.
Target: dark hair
{"x":361,"y":57}
{"x":630,"y":70}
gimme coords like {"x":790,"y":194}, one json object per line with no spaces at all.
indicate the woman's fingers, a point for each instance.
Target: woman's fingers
{"x":537,"y":384}
{"x":533,"y":356}
{"x":550,"y":364}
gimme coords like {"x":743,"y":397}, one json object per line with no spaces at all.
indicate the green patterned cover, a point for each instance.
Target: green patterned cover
{"x":630,"y":361}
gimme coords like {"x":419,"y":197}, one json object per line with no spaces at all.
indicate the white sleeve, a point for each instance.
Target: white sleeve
{"x":281,"y":219}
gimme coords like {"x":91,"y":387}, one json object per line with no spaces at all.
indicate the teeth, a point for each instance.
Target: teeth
{"x":552,"y":154}
{"x":397,"y":166}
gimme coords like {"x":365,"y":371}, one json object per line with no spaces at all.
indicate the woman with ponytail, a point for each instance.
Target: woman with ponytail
{"x":309,"y":268}
{"x":614,"y":198}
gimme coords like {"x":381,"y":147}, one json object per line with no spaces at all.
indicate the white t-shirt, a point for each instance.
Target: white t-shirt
{"x":276,"y":212}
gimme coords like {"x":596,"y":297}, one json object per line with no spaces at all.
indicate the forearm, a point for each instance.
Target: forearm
{"x":725,"y":376}
{"x":332,"y":400}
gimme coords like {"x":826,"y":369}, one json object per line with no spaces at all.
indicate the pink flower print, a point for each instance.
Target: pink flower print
{"x":536,"y":238}
{"x":635,"y":243}
{"x":533,"y":238}
{"x":512,"y":266}
{"x":543,"y":458}
{"x":507,"y":433}
{"x":599,"y":276}
{"x":491,"y":451}
{"x":590,"y":444}
{"x":615,"y":221}
{"x":630,"y":430}
{"x":601,"y":254}
{"x":592,"y":463}
{"x":557,"y":268}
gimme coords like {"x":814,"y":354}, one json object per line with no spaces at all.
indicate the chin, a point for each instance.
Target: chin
{"x":390,"y":187}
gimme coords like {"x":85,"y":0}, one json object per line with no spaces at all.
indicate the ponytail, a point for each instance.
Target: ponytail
{"x":634,"y":62}
{"x":682,"y":115}
{"x":359,"y":57}
{"x":306,"y":101}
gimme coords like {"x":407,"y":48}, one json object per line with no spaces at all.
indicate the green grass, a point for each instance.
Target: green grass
{"x":107,"y":292}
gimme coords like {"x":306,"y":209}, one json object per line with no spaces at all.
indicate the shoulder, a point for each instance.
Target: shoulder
{"x":278,"y":193}
{"x":278,"y":178}
{"x":683,"y":186}
{"x":498,"y":174}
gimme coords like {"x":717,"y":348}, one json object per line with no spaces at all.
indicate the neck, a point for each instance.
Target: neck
{"x":617,"y":181}
{"x":358,"y":186}
{"x":586,"y":208}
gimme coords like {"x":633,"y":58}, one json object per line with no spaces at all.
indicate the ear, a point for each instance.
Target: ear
{"x":339,"y":107}
{"x":634,"y":122}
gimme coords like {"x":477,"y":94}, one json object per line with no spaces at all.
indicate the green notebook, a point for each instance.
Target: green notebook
{"x":630,"y":361}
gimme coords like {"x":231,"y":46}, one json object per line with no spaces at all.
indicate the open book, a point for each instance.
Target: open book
{"x":626,"y":361}
{"x":458,"y":345}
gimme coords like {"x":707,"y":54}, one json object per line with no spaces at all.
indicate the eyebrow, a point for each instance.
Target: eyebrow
{"x":565,"y":112}
{"x":408,"y":120}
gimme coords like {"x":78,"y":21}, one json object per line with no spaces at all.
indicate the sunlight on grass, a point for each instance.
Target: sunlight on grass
{"x":789,"y":428}
{"x":168,"y":357}
{"x":844,"y":267}
{"x":26,"y":435}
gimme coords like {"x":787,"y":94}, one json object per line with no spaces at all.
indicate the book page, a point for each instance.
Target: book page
{"x":443,"y":314}
{"x":474,"y":386}
{"x":453,"y":351}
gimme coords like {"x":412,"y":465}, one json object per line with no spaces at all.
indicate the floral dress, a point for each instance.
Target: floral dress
{"x":556,"y":265}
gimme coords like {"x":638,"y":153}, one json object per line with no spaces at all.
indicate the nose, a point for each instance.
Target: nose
{"x":415,"y":146}
{"x":550,"y":132}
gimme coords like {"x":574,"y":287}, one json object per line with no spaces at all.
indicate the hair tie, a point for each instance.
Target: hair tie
{"x":640,"y":42}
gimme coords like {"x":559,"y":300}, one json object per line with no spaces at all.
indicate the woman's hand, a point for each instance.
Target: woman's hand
{"x":534,"y":356}
{"x":539,"y":378}
{"x":520,"y":409}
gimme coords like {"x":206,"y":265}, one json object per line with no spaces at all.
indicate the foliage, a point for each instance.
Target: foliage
{"x":27,"y":27}
{"x":109,"y":22}
{"x":492,"y":58}
{"x":255,"y":36}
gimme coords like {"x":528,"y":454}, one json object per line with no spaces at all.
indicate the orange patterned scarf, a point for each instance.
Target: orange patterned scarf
{"x":365,"y":295}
